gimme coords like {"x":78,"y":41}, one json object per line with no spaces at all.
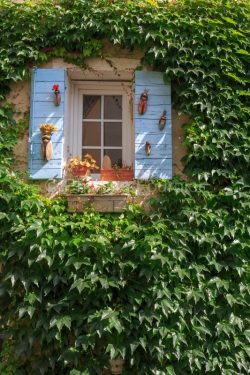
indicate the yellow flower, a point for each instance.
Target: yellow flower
{"x":48,"y":128}
{"x":88,"y":162}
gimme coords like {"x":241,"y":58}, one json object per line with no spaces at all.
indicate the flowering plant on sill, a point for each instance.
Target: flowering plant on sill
{"x":80,"y":186}
{"x":85,"y":186}
{"x":78,"y":167}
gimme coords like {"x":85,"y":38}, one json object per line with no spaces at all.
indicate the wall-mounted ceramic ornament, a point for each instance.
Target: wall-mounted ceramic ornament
{"x":148,"y":148}
{"x":57,"y":97}
{"x":143,"y":103}
{"x":162,"y":121}
{"x":47,"y":149}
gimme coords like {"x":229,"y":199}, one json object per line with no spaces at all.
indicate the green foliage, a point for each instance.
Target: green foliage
{"x":9,"y":133}
{"x":79,"y":187}
{"x":169,"y":290}
{"x":8,"y":363}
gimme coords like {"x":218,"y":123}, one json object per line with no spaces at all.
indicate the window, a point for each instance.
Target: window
{"x":102,"y":127}
{"x":97,"y":116}
{"x":102,"y":122}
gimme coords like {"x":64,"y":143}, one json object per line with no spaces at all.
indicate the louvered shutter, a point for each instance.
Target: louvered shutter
{"x":159,"y":163}
{"x":43,"y":110}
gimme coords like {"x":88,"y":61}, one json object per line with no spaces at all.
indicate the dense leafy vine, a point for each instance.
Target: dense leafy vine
{"x":167,"y":290}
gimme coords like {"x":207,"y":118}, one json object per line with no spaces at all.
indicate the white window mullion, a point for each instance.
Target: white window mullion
{"x":113,"y":148}
{"x":92,"y":147}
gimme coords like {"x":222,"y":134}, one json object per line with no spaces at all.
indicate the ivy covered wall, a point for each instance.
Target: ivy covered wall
{"x":166,"y":290}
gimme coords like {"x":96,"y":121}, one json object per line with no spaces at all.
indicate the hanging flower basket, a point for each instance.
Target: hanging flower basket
{"x":117,"y":174}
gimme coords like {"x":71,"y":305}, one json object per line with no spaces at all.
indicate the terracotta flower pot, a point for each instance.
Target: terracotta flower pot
{"x":120,"y":174}
{"x":79,"y":170}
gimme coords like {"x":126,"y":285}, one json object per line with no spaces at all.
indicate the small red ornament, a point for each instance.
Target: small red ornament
{"x":55,"y":87}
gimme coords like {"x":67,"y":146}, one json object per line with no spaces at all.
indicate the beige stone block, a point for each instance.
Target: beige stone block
{"x":100,"y":203}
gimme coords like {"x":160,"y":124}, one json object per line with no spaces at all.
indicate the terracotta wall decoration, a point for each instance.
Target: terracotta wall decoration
{"x":162,"y":121}
{"x":47,"y":148}
{"x":148,"y":148}
{"x":143,"y":103}
{"x":57,"y":97}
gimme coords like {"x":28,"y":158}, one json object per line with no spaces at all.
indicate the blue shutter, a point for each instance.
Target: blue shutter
{"x":159,"y":163}
{"x":43,"y":110}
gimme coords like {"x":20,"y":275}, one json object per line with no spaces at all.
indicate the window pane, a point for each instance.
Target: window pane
{"x":113,"y":107}
{"x":91,"y":134}
{"x":115,"y":156}
{"x":96,"y":154}
{"x":113,"y":134}
{"x":91,"y":107}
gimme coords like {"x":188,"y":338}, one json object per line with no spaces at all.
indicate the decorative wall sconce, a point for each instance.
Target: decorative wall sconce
{"x":57,"y":97}
{"x":47,"y":147}
{"x":148,"y":148}
{"x":162,"y":121}
{"x":143,"y":103}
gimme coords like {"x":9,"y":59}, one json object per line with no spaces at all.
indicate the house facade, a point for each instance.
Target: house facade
{"x":98,"y":114}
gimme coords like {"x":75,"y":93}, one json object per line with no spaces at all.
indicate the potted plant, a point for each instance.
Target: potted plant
{"x":79,"y":168}
{"x":82,"y":194}
{"x":117,"y":173}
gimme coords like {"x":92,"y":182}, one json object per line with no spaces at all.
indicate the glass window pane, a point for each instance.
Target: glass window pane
{"x":113,"y":107}
{"x":91,"y":134}
{"x":91,"y":107}
{"x":113,"y":134}
{"x":96,"y":154}
{"x":115,"y":156}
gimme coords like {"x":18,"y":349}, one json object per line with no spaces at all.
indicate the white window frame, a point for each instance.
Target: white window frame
{"x":80,"y":88}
